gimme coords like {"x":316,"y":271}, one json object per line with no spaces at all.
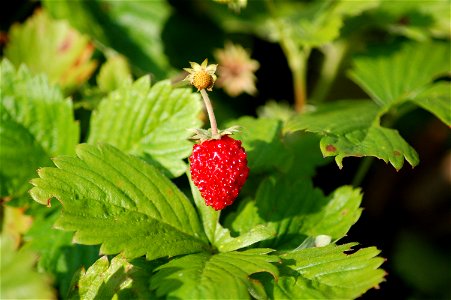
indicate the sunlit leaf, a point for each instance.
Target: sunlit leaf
{"x":121,"y":202}
{"x":113,"y":73}
{"x":36,"y":124}
{"x":350,"y":128}
{"x":219,"y":236}
{"x":328,"y":273}
{"x":396,"y":75}
{"x":106,"y":280}
{"x":51,"y":47}
{"x":207,"y":276}
{"x":133,"y":28}
{"x":150,"y":122}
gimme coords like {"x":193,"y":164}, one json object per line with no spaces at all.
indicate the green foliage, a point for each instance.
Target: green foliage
{"x":327,"y":272}
{"x":113,"y":73}
{"x":206,"y":276}
{"x":152,"y":122}
{"x":128,"y":206}
{"x":106,"y":280}
{"x":36,"y":124}
{"x":390,"y":79}
{"x":300,"y":211}
{"x":19,"y":280}
{"x":57,"y":254}
{"x":219,"y":236}
{"x":354,"y":129}
{"x":57,"y":50}
{"x":128,"y":192}
{"x":130,"y":27}
{"x":262,"y":141}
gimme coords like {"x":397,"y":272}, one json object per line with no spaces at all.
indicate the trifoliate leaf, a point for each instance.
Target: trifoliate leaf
{"x":107,"y":280}
{"x":132,"y":28}
{"x":437,"y":100}
{"x":327,"y":272}
{"x":19,"y":280}
{"x":390,"y":78}
{"x":51,"y":47}
{"x":219,"y":236}
{"x":351,"y":128}
{"x":121,"y":202}
{"x":150,"y":122}
{"x":36,"y":124}
{"x":206,"y":276}
{"x":113,"y":73}
{"x":262,"y":140}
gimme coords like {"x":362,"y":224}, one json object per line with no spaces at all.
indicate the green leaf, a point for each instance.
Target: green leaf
{"x":383,"y":143}
{"x":317,"y":23}
{"x":262,"y":140}
{"x":150,"y":122}
{"x":335,"y":118}
{"x":414,"y":20}
{"x":436,"y":99}
{"x":107,"y":280}
{"x":36,"y":123}
{"x":57,"y":254}
{"x":351,"y":128}
{"x":51,"y":47}
{"x":389,"y":77}
{"x":295,"y":211}
{"x":302,"y":211}
{"x":285,"y":204}
{"x":113,"y":73}
{"x":206,"y":276}
{"x":327,"y":272}
{"x":121,"y":202}
{"x":19,"y":280}
{"x":307,"y":157}
{"x":219,"y":236}
{"x":309,"y":25}
{"x":336,"y":218}
{"x":132,"y":28}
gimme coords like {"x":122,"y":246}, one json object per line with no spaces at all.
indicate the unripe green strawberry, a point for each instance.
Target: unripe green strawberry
{"x":219,"y":170}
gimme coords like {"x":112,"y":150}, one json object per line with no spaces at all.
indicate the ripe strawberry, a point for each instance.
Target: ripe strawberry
{"x":219,"y":169}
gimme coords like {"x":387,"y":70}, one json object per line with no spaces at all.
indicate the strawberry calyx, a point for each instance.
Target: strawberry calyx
{"x":206,"y":134}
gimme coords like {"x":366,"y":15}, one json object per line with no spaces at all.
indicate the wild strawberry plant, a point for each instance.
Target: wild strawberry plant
{"x":120,"y":211}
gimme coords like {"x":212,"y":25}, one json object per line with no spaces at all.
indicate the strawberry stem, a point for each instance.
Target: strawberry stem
{"x":211,"y":114}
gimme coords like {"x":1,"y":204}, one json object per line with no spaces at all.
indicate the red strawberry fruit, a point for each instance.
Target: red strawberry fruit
{"x":219,"y":170}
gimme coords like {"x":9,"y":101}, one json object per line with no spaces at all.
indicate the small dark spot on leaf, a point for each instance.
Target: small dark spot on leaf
{"x":404,"y":21}
{"x":345,"y":212}
{"x":49,"y":204}
{"x":331,"y":148}
{"x":66,"y":44}
{"x":397,"y":153}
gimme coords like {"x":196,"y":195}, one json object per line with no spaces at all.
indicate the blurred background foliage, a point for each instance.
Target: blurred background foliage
{"x":301,"y":52}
